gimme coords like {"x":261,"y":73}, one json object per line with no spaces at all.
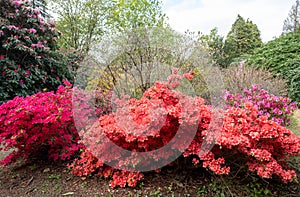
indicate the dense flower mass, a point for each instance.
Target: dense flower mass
{"x":276,"y":108}
{"x":37,"y":122}
{"x":264,"y":143}
{"x":44,"y":122}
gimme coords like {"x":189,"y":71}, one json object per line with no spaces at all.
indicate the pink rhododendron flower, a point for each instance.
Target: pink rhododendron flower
{"x":32,"y":30}
{"x":18,"y":3}
{"x":52,"y":23}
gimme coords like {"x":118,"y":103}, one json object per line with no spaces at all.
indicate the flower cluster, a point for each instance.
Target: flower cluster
{"x":39,"y":122}
{"x":45,"y":121}
{"x":153,"y":121}
{"x":276,"y":108}
{"x":264,"y":143}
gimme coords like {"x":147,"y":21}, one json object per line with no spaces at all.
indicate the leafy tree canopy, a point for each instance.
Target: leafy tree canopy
{"x":84,"y":22}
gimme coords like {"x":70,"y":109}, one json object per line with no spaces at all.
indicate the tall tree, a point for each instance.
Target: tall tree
{"x":80,"y":22}
{"x":292,"y":22}
{"x":214,"y":44}
{"x":29,"y":57}
{"x":132,"y":14}
{"x":84,"y":22}
{"x":243,"y":37}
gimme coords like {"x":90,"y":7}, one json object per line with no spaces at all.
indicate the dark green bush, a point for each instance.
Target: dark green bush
{"x":30,"y":60}
{"x":281,"y":56}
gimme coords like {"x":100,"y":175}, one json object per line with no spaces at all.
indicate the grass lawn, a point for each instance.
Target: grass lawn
{"x":295,"y":122}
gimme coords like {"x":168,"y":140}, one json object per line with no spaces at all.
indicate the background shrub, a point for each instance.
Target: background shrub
{"x":281,"y":57}
{"x":276,"y":108}
{"x":236,"y":78}
{"x":29,"y":56}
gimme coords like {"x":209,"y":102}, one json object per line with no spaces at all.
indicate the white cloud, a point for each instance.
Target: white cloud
{"x":203,"y":15}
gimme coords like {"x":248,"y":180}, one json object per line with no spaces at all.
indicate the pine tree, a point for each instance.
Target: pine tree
{"x":243,"y":37}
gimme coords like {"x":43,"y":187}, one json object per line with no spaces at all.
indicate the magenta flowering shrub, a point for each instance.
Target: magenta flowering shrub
{"x":29,"y":56}
{"x":276,"y":108}
{"x":43,"y":121}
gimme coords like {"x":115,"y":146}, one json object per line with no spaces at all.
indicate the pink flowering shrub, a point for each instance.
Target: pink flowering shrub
{"x":29,"y":55}
{"x":43,"y":121}
{"x":276,"y":108}
{"x":263,"y":143}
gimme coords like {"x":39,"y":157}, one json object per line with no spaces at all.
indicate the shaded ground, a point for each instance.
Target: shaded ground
{"x":43,"y":179}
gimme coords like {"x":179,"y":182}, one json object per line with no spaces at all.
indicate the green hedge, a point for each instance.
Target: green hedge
{"x":281,"y":56}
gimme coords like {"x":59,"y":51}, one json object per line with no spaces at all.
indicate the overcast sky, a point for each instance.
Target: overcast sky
{"x":203,"y":15}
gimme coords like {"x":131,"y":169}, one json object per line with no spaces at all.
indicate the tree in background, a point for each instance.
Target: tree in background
{"x":242,"y":39}
{"x":143,"y":56}
{"x":81,"y":22}
{"x":84,"y":22}
{"x":292,"y":23}
{"x":29,"y":57}
{"x":131,"y":14}
{"x":214,"y":44}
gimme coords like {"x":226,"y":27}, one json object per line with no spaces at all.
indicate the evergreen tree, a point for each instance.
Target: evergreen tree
{"x":243,"y":37}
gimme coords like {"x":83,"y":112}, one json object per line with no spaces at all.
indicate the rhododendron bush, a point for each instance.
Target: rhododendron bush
{"x":276,"y":108}
{"x":153,"y":121}
{"x":29,"y":55}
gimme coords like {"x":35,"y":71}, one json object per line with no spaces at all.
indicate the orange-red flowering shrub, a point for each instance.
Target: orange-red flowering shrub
{"x":153,"y":121}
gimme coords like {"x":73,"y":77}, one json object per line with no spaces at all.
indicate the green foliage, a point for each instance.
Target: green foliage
{"x":282,"y":57}
{"x":80,"y":22}
{"x":132,"y":14}
{"x":214,"y":44}
{"x":84,"y":22}
{"x":144,"y":56}
{"x":29,"y":56}
{"x":243,"y":37}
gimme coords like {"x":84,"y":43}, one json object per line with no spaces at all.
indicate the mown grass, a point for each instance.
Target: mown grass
{"x":295,"y":122}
